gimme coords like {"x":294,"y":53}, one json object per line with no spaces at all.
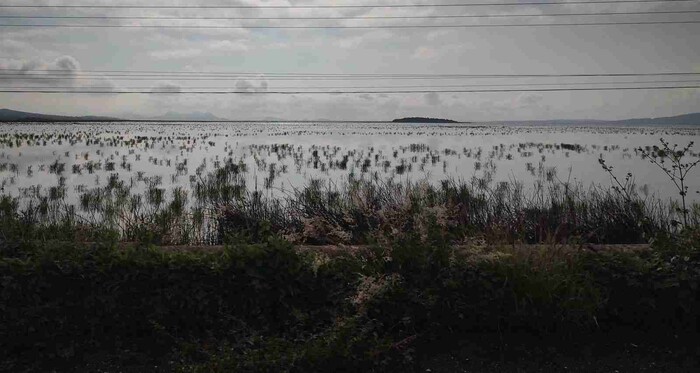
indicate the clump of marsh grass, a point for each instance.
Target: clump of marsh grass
{"x":219,"y":207}
{"x":677,"y":171}
{"x":671,"y":161}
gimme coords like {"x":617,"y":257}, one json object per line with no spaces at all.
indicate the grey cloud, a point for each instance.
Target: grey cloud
{"x":530,"y":99}
{"x":432,"y":99}
{"x":66,"y":63}
{"x":475,"y":51}
{"x":11,"y":47}
{"x":31,"y":65}
{"x":245,"y":85}
{"x":167,"y":88}
{"x":104,"y":84}
{"x":35,"y":72}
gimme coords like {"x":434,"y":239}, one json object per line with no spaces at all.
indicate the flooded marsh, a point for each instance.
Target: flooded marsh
{"x":196,"y":182}
{"x":283,"y":156}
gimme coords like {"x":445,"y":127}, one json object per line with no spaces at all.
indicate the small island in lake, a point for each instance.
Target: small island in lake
{"x":423,"y":120}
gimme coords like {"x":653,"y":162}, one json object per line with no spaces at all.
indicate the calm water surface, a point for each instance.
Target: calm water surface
{"x":281,"y":156}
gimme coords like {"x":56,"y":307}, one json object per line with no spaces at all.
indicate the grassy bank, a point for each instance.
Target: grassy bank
{"x":265,"y":307}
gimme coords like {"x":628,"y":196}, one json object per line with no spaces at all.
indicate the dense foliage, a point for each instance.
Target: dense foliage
{"x":221,"y":207}
{"x":267,"y":307}
{"x":440,"y":264}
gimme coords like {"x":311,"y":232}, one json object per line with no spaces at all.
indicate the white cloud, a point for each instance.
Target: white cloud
{"x":171,"y":54}
{"x":365,"y":38}
{"x":227,"y":46}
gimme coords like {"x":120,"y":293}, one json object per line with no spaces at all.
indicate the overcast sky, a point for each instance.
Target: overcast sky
{"x":515,"y":50}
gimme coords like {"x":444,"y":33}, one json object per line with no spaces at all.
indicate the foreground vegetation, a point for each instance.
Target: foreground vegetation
{"x":439,"y":267}
{"x":221,"y":207}
{"x":198,"y":184}
{"x":269,"y":308}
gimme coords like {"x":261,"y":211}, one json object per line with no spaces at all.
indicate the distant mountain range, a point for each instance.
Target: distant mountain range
{"x":692,"y":119}
{"x":7,"y":115}
{"x":678,"y":120}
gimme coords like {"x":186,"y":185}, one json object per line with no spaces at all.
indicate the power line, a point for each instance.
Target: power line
{"x":172,"y":75}
{"x":536,"y":3}
{"x":363,"y":27}
{"x":382,"y":87}
{"x":229,"y":78}
{"x":352,"y":92}
{"x":225,"y":78}
{"x":447,"y":16}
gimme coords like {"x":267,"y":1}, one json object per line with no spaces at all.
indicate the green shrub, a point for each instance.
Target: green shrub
{"x":267,"y":307}
{"x":58,"y":300}
{"x":655,"y":290}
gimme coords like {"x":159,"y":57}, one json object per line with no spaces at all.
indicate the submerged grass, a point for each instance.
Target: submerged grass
{"x":220,"y":207}
{"x":441,"y":264}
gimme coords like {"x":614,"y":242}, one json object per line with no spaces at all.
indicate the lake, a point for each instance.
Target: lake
{"x":281,"y":156}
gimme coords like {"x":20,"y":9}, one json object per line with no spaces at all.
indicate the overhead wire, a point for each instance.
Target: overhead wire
{"x":35,"y":75}
{"x":353,"y":27}
{"x":445,"y":16}
{"x":304,"y":74}
{"x":58,"y":75}
{"x":324,"y":26}
{"x":384,"y":87}
{"x":340,"y":6}
{"x":223,"y":92}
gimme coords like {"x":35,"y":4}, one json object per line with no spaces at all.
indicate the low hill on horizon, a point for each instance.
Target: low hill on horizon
{"x":684,"y":119}
{"x":424,"y":120}
{"x":691,"y":119}
{"x":7,"y":115}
